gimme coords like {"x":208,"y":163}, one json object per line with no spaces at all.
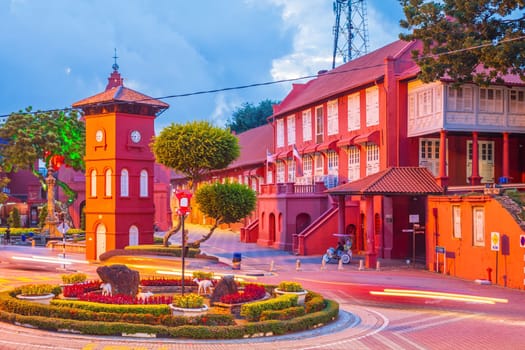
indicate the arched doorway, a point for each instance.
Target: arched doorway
{"x":101,"y":239}
{"x":133,"y":235}
{"x":271,"y":228}
{"x":301,"y":222}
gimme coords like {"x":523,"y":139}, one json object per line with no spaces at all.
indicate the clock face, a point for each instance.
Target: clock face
{"x":99,"y":135}
{"x":135,"y":136}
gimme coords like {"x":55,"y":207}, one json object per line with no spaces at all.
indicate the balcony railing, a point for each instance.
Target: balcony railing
{"x":292,"y":188}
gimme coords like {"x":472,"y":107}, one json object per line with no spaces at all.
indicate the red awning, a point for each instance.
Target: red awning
{"x":328,"y":145}
{"x":349,"y":141}
{"x":372,"y":137}
{"x":311,"y":148}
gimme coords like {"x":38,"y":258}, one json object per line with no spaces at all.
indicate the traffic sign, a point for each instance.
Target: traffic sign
{"x":440,"y":249}
{"x":522,"y":241}
{"x":494,"y":241}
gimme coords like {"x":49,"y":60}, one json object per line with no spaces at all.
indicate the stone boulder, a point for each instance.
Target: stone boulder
{"x":225,"y":286}
{"x":122,"y":279}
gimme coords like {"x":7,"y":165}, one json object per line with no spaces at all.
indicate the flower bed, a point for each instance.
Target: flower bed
{"x":113,"y":320}
{"x":77,"y":289}
{"x":251,"y":292}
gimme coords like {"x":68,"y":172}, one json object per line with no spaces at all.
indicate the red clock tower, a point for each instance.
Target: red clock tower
{"x":119,"y":207}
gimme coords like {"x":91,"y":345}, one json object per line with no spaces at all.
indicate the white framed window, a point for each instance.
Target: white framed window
{"x":280,"y":133}
{"x":319,"y":124}
{"x":424,"y":101}
{"x":143,"y":183}
{"x":491,"y":100}
{"x":307,"y":166}
{"x":354,"y":112}
{"x":333,"y":163}
{"x":485,"y":160}
{"x":280,"y":172}
{"x":372,"y":106}
{"x":107,"y":181}
{"x":332,"y":118}
{"x":93,"y":178}
{"x":372,"y":158}
{"x":478,"y":226}
{"x":429,"y":154}
{"x":517,"y":101}
{"x":290,"y":127}
{"x":124,"y":183}
{"x":456,"y":221}
{"x":459,"y":99}
{"x":354,"y":163}
{"x":307,"y":125}
{"x":291,"y":169}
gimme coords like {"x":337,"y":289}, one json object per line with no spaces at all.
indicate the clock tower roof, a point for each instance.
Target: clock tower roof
{"x":117,"y":94}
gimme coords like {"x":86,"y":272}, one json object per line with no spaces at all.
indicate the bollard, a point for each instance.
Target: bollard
{"x":361,"y":265}
{"x":340,"y":265}
{"x":271,"y":266}
{"x":33,"y":243}
{"x":323,"y":264}
{"x":297,"y":265}
{"x":378,"y":266}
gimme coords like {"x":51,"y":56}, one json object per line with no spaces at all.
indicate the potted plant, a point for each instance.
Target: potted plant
{"x":287,"y":287}
{"x":188,"y":305}
{"x":40,"y":293}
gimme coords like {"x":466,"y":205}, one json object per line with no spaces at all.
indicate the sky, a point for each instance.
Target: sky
{"x":57,"y":52}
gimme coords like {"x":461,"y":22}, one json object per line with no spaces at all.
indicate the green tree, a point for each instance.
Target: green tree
{"x":194,"y":149}
{"x":249,"y":116}
{"x":14,"y":218}
{"x":226,"y":203}
{"x":33,"y":136}
{"x":459,"y":35}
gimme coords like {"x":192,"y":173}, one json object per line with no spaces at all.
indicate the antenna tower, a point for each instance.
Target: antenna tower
{"x":350,"y":29}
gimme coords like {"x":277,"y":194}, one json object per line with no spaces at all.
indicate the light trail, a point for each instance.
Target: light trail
{"x":438,"y":295}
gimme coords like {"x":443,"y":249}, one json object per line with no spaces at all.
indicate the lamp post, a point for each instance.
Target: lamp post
{"x":184,"y":209}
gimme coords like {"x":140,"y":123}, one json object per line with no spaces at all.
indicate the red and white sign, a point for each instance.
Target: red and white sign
{"x":184,"y":202}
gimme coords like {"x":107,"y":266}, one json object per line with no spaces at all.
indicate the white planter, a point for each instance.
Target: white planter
{"x":180,"y":311}
{"x":300,"y":295}
{"x":42,"y":299}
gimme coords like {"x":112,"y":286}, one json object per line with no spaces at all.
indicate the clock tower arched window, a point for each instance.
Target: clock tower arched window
{"x":124,"y":183}
{"x":93,"y":177}
{"x":143,"y":183}
{"x":108,"y":183}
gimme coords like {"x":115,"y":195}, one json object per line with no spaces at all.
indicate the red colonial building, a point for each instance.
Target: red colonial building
{"x":370,"y":136}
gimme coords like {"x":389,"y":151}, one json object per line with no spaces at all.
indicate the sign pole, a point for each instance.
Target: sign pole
{"x":497,"y":251}
{"x":183,"y":252}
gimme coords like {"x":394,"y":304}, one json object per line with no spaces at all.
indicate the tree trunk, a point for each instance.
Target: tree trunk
{"x":197,"y":243}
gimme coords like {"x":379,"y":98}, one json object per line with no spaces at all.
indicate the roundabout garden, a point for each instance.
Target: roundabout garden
{"x":233,"y":309}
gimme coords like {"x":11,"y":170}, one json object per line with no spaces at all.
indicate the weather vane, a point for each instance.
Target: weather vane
{"x":115,"y":65}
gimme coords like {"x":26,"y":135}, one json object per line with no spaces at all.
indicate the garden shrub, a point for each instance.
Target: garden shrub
{"x":284,"y":314}
{"x":252,"y":311}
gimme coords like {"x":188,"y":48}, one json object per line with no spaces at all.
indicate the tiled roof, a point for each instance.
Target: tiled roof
{"x":120,"y":94}
{"x":392,"y":181}
{"x":253,"y":144}
{"x":363,"y":70}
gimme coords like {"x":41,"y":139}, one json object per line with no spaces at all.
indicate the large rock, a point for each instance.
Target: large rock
{"x":225,"y":286}
{"x":122,"y":279}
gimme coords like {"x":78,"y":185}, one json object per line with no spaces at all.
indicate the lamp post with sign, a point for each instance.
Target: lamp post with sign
{"x":184,"y":209}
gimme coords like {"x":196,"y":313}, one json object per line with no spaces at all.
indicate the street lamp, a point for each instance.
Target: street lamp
{"x":184,"y":209}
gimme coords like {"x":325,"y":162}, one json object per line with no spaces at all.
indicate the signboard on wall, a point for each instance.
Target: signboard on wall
{"x":494,"y":241}
{"x":413,"y":218}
